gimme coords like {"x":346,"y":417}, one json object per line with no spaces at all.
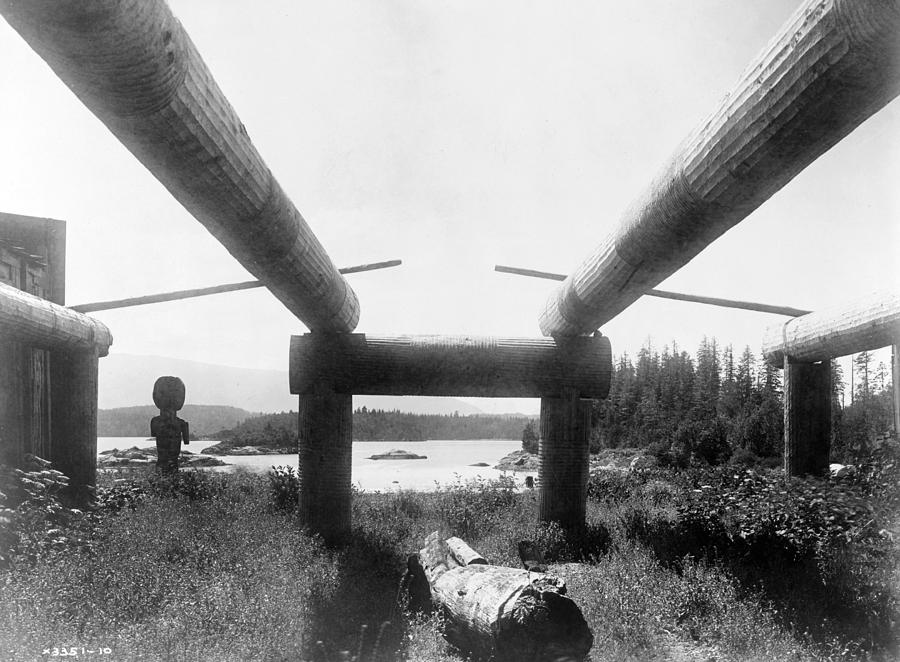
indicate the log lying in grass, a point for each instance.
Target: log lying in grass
{"x":502,"y":613}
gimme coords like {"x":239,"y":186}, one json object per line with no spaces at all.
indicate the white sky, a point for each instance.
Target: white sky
{"x":454,"y":136}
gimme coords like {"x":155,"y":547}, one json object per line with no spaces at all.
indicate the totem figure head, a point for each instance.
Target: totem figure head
{"x":168,"y":393}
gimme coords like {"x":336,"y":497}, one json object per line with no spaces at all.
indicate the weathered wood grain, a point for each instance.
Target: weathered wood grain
{"x":450,"y":365}
{"x":832,"y":65}
{"x":73,"y":390}
{"x":807,"y":417}
{"x":32,"y":320}
{"x":564,"y":459}
{"x":325,"y":444}
{"x":503,"y":613}
{"x":869,"y":322}
{"x":134,"y":66}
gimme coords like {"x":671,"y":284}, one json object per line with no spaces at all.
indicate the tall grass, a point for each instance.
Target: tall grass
{"x":213,"y":566}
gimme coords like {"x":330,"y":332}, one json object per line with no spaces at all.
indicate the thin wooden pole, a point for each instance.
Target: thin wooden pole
{"x":677,"y":296}
{"x":729,"y":303}
{"x":206,"y":291}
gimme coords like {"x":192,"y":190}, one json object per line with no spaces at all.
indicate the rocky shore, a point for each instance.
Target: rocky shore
{"x":518,"y":461}
{"x":223,"y":448}
{"x":142,"y":457}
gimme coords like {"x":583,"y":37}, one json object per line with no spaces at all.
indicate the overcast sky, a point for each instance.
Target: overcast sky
{"x":454,"y":136}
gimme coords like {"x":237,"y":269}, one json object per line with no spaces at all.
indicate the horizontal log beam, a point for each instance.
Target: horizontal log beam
{"x":450,"y":365}
{"x":134,"y":66}
{"x":867,"y":323}
{"x":206,"y":291}
{"x":38,"y":322}
{"x":677,"y":296}
{"x":832,"y":65}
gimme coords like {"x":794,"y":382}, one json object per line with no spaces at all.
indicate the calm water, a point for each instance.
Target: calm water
{"x":446,"y":460}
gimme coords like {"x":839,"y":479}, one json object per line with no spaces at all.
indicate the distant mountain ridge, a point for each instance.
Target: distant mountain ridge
{"x":126,"y":380}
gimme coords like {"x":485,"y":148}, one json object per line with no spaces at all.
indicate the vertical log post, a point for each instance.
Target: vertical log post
{"x":563,"y":455}
{"x":73,"y":442}
{"x":895,"y":380}
{"x":807,"y":417}
{"x":325,"y":449}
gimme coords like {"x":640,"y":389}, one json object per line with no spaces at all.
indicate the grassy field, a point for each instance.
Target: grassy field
{"x":706,"y":565}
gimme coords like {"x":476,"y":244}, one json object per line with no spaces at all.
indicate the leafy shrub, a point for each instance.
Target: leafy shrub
{"x":195,"y":485}
{"x":35,"y":519}
{"x":611,"y":485}
{"x":583,"y":544}
{"x":284,"y":488}
{"x":805,"y":515}
{"x":123,"y":494}
{"x":472,"y":507}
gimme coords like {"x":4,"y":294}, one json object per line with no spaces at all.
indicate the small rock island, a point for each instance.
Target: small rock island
{"x":397,"y":455}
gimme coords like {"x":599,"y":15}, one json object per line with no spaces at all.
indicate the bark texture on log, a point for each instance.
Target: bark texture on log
{"x":325,"y":444}
{"x":450,"y":365}
{"x":807,"y":417}
{"x":564,"y":459}
{"x":134,"y":66}
{"x":35,"y":321}
{"x":868,"y":322}
{"x":504,"y":613}
{"x":832,"y":65}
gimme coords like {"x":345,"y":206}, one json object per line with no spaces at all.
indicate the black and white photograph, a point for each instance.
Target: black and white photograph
{"x":431,"y":331}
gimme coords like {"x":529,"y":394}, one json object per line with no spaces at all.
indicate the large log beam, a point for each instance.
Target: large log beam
{"x":450,"y":365}
{"x":40,"y":323}
{"x":869,"y":322}
{"x":134,"y":66}
{"x":502,"y":613}
{"x":832,"y":65}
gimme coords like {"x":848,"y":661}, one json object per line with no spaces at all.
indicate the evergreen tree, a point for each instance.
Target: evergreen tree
{"x":530,"y":438}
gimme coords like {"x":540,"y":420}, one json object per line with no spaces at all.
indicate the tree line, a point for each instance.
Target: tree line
{"x":721,"y":405}
{"x":280,"y":430}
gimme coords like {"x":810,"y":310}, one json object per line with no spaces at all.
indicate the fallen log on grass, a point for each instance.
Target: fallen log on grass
{"x":502,"y":613}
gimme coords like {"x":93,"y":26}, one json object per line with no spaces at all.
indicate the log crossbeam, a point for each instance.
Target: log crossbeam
{"x":870,"y":321}
{"x":473,"y":366}
{"x":832,"y":65}
{"x":133,"y":65}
